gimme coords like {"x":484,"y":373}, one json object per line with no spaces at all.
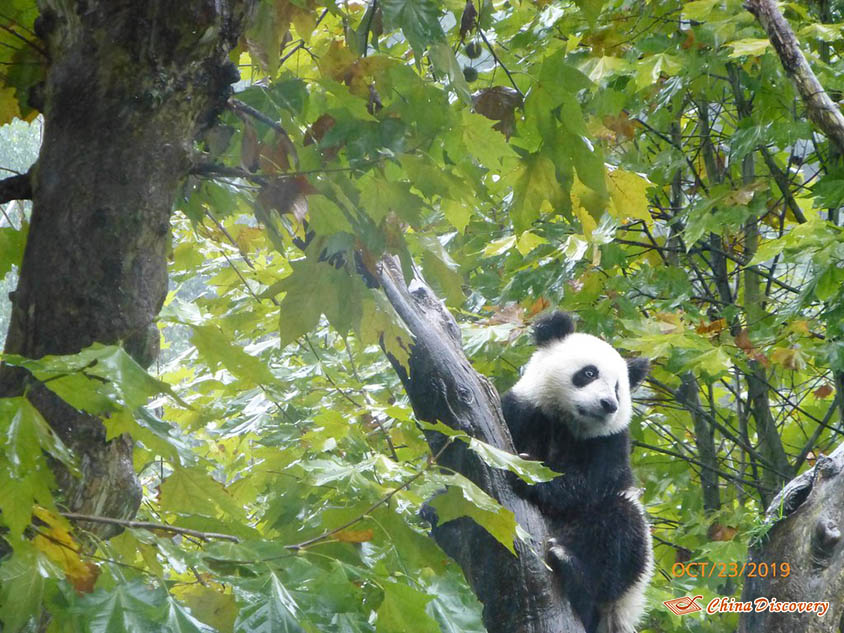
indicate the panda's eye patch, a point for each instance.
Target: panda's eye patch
{"x":585,"y":375}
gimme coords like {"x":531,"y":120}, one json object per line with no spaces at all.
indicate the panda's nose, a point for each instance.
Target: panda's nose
{"x":609,"y":406}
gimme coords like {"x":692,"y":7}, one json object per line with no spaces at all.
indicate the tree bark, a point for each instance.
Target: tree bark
{"x":520,"y":595}
{"x":128,"y":87}
{"x":807,"y":517}
{"x":822,"y":110}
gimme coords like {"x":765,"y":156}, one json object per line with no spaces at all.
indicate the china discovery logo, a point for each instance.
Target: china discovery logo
{"x":684,"y":605}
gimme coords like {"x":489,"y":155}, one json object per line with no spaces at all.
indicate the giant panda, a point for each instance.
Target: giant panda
{"x":571,"y":409}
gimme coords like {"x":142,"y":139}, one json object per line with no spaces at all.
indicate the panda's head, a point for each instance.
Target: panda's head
{"x":580,"y":378}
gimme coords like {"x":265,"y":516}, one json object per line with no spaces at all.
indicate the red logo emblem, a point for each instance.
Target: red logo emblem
{"x":684,"y":605}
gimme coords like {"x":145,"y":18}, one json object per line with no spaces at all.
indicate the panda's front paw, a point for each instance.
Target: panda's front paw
{"x":557,"y":556}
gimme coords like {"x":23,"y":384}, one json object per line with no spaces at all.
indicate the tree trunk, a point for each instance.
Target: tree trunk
{"x":520,"y":595}
{"x":807,"y":518}
{"x":128,"y":87}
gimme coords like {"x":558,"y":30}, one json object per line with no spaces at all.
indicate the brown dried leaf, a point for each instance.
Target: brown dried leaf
{"x":285,"y":195}
{"x":718,"y":532}
{"x":467,"y":21}
{"x":743,"y":341}
{"x":249,"y":149}
{"x":273,"y":159}
{"x":496,"y":103}
{"x":824,"y":391}
{"x":713,"y":327}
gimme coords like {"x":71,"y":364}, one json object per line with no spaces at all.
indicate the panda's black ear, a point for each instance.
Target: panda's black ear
{"x":551,"y":327}
{"x":637,"y":369}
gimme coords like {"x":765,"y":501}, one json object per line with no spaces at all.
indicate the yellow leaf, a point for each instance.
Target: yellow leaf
{"x":789,"y":358}
{"x":528,"y":241}
{"x":57,"y":543}
{"x":354,"y":536}
{"x":9,"y":109}
{"x":628,"y":195}
{"x":501,"y":245}
{"x":754,"y":47}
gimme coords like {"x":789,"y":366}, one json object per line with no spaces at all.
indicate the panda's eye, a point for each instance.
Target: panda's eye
{"x":585,"y":375}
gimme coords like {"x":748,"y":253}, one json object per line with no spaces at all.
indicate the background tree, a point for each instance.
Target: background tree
{"x":648,"y":166}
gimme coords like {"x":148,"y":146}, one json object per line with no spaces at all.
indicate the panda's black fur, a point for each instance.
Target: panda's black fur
{"x":571,"y":412}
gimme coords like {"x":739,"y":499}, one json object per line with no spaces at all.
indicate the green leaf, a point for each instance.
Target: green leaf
{"x":403,"y":609}
{"x":753,"y":47}
{"x":380,"y":196}
{"x":445,"y":63}
{"x":713,"y":362}
{"x":530,"y":471}
{"x":483,"y":142}
{"x":829,"y":283}
{"x":131,"y":607}
{"x":650,"y":69}
{"x":274,"y":612}
{"x":192,"y":490}
{"x":303,"y":301}
{"x":12,"y":243}
{"x":97,"y":379}
{"x":589,"y":163}
{"x":591,"y":9}
{"x":179,"y":620}
{"x":501,"y":245}
{"x":528,"y":241}
{"x":217,"y":350}
{"x":699,"y":9}
{"x":444,"y":277}
{"x":457,"y":213}
{"x":464,"y":498}
{"x":535,"y":186}
{"x":419,"y":20}
{"x":22,"y":582}
{"x":767,"y":251}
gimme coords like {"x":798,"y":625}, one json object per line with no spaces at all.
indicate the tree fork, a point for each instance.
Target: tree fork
{"x":128,"y":87}
{"x":518,"y":593}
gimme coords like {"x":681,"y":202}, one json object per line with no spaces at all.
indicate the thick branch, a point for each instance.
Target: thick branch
{"x":15,"y":188}
{"x":807,"y":518}
{"x":519,"y":594}
{"x":705,"y":440}
{"x":821,"y":109}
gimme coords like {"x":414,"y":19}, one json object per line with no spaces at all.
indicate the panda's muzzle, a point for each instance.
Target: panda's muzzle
{"x":609,"y":406}
{"x":595,"y":414}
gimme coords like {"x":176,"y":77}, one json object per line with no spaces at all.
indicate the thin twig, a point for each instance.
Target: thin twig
{"x":500,"y":63}
{"x":149,"y":525}
{"x":329,"y":533}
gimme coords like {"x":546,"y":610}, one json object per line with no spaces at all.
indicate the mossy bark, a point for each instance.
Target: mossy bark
{"x":128,"y":87}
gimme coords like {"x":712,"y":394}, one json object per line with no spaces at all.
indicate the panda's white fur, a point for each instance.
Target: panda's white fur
{"x":547,"y":381}
{"x":571,"y":409}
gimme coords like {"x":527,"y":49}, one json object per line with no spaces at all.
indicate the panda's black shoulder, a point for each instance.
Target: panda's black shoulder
{"x":553,"y":326}
{"x":530,"y":427}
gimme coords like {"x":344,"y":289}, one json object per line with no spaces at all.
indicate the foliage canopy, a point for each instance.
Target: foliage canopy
{"x":646,"y":165}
